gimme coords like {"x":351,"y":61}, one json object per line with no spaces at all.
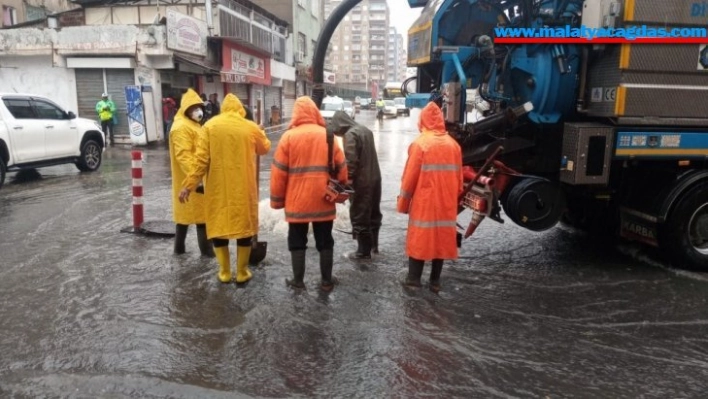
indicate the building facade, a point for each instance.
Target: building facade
{"x":17,"y":12}
{"x":305,"y":19}
{"x":358,"y":50}
{"x":139,"y":54}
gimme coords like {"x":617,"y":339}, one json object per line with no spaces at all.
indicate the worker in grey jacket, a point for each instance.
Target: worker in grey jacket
{"x":365,"y":179}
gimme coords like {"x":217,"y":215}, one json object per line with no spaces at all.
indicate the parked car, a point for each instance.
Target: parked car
{"x":349,"y":109}
{"x":401,"y":108}
{"x":35,"y":132}
{"x":330,"y":105}
{"x":390,"y":108}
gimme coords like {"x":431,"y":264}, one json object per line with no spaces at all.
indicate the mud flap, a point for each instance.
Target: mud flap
{"x":638,"y":226}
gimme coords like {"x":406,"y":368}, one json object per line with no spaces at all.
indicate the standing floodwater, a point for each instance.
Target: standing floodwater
{"x":91,"y":312}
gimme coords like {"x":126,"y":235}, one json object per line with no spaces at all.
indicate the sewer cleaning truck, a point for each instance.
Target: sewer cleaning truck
{"x":606,"y":136}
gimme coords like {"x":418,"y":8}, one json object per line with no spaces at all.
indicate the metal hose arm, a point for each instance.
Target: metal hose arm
{"x":321,"y":49}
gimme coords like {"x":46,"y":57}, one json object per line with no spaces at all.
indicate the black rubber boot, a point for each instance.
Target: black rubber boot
{"x":363,"y":250}
{"x":205,"y":245}
{"x":415,"y":272}
{"x":435,"y":272}
{"x":326,"y":265}
{"x":180,"y":236}
{"x":298,"y":264}
{"x":375,"y":240}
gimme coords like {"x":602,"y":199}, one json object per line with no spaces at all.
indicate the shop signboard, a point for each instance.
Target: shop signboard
{"x":329,"y":77}
{"x":247,"y":64}
{"x":244,"y":66}
{"x":136,"y":116}
{"x":186,"y":34}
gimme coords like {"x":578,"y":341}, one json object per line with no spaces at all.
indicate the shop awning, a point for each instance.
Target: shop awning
{"x":199,"y":62}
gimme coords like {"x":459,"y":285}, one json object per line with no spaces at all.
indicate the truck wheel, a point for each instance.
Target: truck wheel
{"x":3,"y":172}
{"x":684,"y":235}
{"x":91,"y":156}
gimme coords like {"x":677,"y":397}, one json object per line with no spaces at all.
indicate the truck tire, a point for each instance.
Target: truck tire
{"x":684,"y":236}
{"x":91,"y":156}
{"x":3,"y":172}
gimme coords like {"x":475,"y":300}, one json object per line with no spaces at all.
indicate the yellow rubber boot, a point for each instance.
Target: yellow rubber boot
{"x":222,"y":255}
{"x":242,"y":272}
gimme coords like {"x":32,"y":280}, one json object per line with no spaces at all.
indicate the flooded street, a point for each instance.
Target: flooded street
{"x":91,"y":312}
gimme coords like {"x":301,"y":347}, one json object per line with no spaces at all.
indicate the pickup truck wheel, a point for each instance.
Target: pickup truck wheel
{"x":684,"y":235}
{"x":3,"y":171}
{"x":91,"y":156}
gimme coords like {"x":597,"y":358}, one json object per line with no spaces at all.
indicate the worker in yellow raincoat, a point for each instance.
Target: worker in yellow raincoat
{"x":183,"y":147}
{"x":228,"y":151}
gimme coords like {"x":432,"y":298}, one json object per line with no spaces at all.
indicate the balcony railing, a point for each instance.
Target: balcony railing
{"x":239,"y":22}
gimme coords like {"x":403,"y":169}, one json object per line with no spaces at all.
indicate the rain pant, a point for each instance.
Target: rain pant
{"x":226,"y":153}
{"x":300,"y":171}
{"x":183,"y":147}
{"x":364,"y":172}
{"x":431,"y":184}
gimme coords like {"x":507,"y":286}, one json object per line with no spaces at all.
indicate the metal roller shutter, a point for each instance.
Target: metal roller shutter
{"x":240,"y":91}
{"x":271,"y":98}
{"x":89,"y":87}
{"x":288,"y":99}
{"x":117,"y":80}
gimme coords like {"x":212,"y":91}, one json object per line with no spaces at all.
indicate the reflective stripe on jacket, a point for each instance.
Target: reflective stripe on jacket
{"x":299,"y":173}
{"x":103,"y":113}
{"x":431,"y":183}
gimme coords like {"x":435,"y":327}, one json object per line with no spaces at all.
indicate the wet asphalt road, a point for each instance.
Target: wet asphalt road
{"x":91,"y":312}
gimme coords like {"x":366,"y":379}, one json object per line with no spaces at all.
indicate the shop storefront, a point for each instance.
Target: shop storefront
{"x":289,"y":95}
{"x":95,"y":76}
{"x":246,"y":73}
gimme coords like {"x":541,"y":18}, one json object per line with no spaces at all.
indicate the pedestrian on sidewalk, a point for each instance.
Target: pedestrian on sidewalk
{"x":431,"y":184}
{"x":227,"y":151}
{"x":365,"y":179}
{"x":106,"y":110}
{"x":184,"y":133}
{"x":299,"y":176}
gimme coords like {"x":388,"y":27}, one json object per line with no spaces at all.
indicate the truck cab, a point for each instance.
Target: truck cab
{"x":35,"y":132}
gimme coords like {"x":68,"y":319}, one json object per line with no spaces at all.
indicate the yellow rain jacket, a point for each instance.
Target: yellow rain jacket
{"x":227,"y":151}
{"x":183,"y":149}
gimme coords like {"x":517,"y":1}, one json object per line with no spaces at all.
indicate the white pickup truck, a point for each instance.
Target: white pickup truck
{"x":35,"y":132}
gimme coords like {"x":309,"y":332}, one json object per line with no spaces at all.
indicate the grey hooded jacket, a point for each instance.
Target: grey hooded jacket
{"x":359,"y":150}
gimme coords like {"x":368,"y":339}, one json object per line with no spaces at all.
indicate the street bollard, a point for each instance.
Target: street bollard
{"x":137,"y":173}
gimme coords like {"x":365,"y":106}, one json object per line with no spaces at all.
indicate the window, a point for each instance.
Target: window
{"x":34,"y":13}
{"x":302,"y":3}
{"x":20,"y":109}
{"x":302,"y":44}
{"x":46,"y":110}
{"x":9,"y":16}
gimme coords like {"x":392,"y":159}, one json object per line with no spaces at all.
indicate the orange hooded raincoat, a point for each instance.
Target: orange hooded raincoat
{"x":431,"y":184}
{"x":300,"y":172}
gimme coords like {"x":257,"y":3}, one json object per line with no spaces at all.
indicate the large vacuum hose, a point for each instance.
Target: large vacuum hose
{"x":318,"y":58}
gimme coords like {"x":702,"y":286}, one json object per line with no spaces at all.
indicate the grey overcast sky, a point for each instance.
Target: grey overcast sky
{"x":402,"y":16}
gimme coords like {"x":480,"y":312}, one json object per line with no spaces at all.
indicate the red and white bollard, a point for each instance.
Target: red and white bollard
{"x":137,"y":173}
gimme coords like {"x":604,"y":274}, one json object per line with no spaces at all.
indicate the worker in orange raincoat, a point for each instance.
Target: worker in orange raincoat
{"x":227,"y":150}
{"x":431,"y":184}
{"x":299,"y":177}
{"x":184,"y":133}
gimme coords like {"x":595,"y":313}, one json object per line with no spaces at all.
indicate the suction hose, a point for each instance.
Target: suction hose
{"x":318,"y":59}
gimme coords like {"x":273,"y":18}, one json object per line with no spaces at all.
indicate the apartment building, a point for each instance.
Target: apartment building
{"x":305,"y":19}
{"x":15,"y":12}
{"x":359,"y":48}
{"x":396,"y":57}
